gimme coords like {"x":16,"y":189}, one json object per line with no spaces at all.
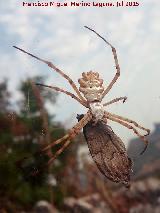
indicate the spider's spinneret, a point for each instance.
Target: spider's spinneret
{"x":91,"y":86}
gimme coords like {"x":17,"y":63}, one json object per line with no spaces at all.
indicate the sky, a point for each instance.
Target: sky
{"x":57,"y":34}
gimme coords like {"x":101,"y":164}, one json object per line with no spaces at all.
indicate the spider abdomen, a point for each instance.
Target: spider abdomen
{"x":91,"y":86}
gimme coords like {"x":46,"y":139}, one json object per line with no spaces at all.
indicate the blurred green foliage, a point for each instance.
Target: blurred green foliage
{"x":21,"y":137}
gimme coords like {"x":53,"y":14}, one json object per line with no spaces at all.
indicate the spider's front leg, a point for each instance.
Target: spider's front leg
{"x":67,"y":138}
{"x":112,"y":118}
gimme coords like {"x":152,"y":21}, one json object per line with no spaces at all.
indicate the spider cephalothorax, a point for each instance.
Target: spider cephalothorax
{"x":91,"y":86}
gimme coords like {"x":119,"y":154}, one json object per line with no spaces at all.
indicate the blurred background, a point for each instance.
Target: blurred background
{"x":32,"y":116}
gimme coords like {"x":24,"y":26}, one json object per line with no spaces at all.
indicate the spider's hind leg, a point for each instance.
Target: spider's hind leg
{"x":115,"y":61}
{"x":56,"y":69}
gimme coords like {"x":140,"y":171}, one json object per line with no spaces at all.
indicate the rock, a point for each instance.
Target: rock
{"x":44,"y":207}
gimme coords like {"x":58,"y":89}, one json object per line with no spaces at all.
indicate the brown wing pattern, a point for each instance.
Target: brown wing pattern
{"x":108,"y":152}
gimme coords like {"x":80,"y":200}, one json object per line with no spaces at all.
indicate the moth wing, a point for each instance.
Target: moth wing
{"x":108,"y":152}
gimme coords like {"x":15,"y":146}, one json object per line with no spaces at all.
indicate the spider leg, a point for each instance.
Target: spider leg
{"x":115,"y":100}
{"x":51,"y":65}
{"x":61,"y":140}
{"x":59,"y":151}
{"x":130,"y":121}
{"x":67,"y":138}
{"x":108,"y":116}
{"x":65,"y":92}
{"x":72,"y":132}
{"x":115,"y":60}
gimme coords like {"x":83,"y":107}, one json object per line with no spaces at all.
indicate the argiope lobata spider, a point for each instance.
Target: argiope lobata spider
{"x":90,"y":94}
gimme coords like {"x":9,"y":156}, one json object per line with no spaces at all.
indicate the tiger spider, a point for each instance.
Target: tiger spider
{"x":91,"y":86}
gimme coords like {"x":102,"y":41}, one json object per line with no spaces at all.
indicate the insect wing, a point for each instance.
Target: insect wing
{"x":108,"y":152}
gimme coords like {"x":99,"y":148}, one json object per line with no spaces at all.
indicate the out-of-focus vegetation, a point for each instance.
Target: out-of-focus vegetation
{"x":72,"y":183}
{"x":22,"y":135}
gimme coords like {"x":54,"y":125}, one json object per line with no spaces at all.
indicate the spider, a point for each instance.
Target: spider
{"x":90,"y":94}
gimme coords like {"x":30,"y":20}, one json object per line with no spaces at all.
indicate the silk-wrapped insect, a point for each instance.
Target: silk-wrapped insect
{"x":108,"y":151}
